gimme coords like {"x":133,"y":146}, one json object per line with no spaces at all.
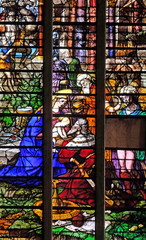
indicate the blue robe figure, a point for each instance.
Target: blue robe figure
{"x":136,"y":112}
{"x":29,"y":166}
{"x":28,"y":169}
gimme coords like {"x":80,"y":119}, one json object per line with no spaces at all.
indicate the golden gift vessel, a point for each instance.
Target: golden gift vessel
{"x":63,"y":208}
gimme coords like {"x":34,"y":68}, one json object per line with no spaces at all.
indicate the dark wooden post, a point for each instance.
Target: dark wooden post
{"x":47,"y":129}
{"x":100,"y":70}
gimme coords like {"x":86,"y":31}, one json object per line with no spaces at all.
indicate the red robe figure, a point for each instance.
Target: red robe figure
{"x":79,"y":188}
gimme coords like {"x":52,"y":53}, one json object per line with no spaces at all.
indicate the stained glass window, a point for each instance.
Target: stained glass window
{"x":21,"y":115}
{"x":74,"y":140}
{"x":73,"y":123}
{"x":125,"y":89}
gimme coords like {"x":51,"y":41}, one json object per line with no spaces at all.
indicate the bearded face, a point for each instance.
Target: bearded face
{"x":86,"y":84}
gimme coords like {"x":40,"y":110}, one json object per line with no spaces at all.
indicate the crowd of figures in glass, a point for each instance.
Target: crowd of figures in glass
{"x":74,"y":52}
{"x":125,"y":57}
{"x":125,"y":89}
{"x":20,"y":118}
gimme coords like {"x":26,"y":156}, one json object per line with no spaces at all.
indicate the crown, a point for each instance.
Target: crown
{"x":112,"y":3}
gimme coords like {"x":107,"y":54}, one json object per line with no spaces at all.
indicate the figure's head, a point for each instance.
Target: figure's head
{"x":59,"y":103}
{"x":84,"y":81}
{"x":11,"y":16}
{"x":129,"y":94}
{"x":60,"y":100}
{"x":83,"y":123}
{"x":55,"y":36}
{"x":4,"y":39}
{"x":81,"y":126}
{"x":64,"y":121}
{"x":24,"y":3}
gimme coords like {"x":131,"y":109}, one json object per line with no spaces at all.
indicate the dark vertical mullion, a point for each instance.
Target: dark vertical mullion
{"x":100,"y":72}
{"x":47,"y":125}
